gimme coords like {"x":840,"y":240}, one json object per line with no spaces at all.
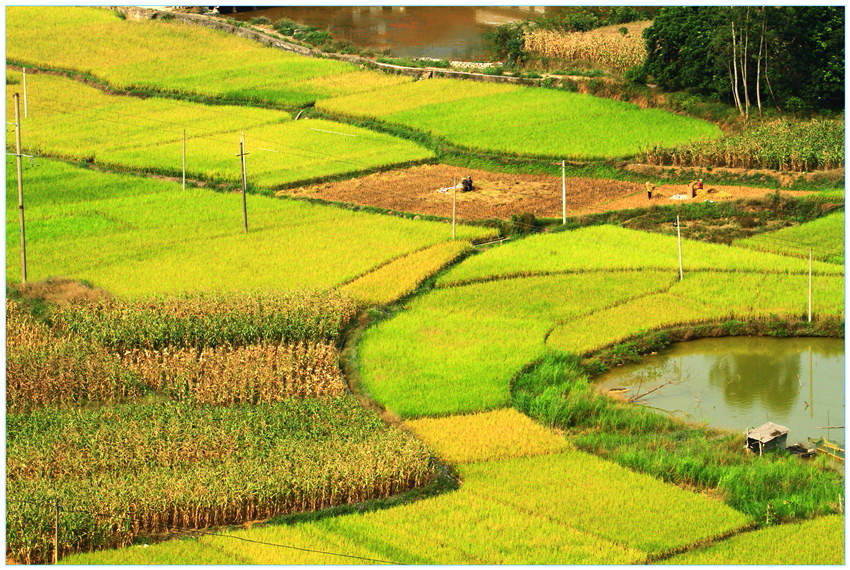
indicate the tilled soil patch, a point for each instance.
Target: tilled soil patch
{"x":498,"y":195}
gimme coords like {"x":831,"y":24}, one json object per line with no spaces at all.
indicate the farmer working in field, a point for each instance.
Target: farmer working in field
{"x":650,"y":187}
{"x":467,"y":184}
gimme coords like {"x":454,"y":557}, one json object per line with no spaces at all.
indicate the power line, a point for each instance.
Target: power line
{"x":198,"y":531}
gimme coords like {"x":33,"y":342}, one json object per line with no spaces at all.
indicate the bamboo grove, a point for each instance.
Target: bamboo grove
{"x":191,"y":411}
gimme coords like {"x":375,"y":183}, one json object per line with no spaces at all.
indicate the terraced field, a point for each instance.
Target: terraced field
{"x":129,"y":133}
{"x":191,"y":412}
{"x":540,"y":122}
{"x":824,"y":236}
{"x":189,"y":59}
{"x":134,"y":236}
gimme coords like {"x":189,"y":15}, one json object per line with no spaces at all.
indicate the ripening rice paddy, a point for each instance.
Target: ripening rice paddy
{"x":190,"y":59}
{"x":824,"y":237}
{"x":614,"y":248}
{"x":567,"y":508}
{"x":401,"y":276}
{"x":537,"y":121}
{"x":488,"y":436}
{"x":134,"y":236}
{"x":818,"y":541}
{"x":129,"y":133}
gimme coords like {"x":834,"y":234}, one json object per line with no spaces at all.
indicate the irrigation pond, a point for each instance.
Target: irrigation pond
{"x":740,"y":382}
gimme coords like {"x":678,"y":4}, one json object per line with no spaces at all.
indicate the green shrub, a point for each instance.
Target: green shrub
{"x":262,"y":21}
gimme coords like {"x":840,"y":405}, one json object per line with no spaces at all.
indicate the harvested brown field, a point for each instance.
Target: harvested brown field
{"x":498,"y":195}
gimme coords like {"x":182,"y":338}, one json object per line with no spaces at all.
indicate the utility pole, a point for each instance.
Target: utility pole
{"x":26,"y":113}
{"x":564,"y":191}
{"x":810,"y":285}
{"x":184,"y":159}
{"x":679,"y":239}
{"x":56,"y":532}
{"x":454,"y":206}
{"x":241,"y":155}
{"x":20,"y":171}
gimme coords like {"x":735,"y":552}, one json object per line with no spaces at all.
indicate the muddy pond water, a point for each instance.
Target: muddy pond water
{"x":441,"y":32}
{"x":740,"y":382}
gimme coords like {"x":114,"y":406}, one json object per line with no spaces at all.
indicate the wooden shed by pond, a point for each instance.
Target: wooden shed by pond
{"x":767,"y":437}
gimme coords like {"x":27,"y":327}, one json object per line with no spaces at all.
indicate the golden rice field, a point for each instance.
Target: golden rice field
{"x":487,"y":436}
{"x":818,"y":541}
{"x":566,"y":508}
{"x":129,"y":133}
{"x":189,"y":59}
{"x":400,"y":277}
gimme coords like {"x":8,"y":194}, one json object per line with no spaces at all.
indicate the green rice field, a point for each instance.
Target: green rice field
{"x":613,"y":248}
{"x":824,"y":237}
{"x":190,"y":59}
{"x":456,"y":349}
{"x":129,"y":133}
{"x":135,"y":236}
{"x":539,"y":121}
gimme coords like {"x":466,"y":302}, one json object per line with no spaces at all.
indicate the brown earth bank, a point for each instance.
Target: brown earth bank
{"x":498,"y":195}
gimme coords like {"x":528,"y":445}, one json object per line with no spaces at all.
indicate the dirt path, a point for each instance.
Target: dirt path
{"x":498,"y":195}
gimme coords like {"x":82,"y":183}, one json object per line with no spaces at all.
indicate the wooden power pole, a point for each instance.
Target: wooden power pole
{"x":564,"y":191}
{"x":241,"y":155}
{"x":20,"y":172}
{"x":679,"y":239}
{"x":810,"y":285}
{"x":454,"y":206}
{"x":184,"y":159}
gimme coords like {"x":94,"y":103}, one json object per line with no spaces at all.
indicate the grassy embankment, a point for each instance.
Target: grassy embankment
{"x":134,"y":236}
{"x":139,"y":417}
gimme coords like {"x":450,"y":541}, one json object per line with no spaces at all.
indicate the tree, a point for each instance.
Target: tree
{"x":750,"y":54}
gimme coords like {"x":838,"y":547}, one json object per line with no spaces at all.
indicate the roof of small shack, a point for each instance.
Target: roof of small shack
{"x":767,"y":432}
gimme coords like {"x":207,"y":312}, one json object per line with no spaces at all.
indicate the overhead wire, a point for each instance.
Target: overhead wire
{"x":199,"y":531}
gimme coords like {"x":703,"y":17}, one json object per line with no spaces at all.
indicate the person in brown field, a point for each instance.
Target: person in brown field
{"x":467,"y":184}
{"x":650,"y":188}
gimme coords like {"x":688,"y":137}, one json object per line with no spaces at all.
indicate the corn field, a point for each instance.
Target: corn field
{"x":251,"y":374}
{"x":174,"y":465}
{"x":208,"y":320}
{"x":47,"y":370}
{"x":781,"y":145}
{"x":612,"y":51}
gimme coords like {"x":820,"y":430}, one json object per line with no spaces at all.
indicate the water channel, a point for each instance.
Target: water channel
{"x":740,"y":382}
{"x":441,"y":32}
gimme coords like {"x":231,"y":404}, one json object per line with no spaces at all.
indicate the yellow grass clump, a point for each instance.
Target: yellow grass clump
{"x":401,"y":276}
{"x":487,"y":436}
